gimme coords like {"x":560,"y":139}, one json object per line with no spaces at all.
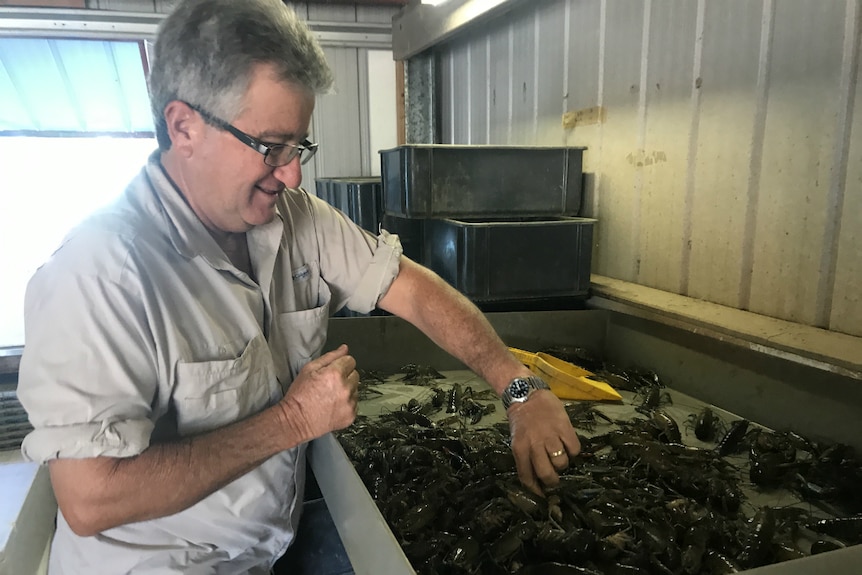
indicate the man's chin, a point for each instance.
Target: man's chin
{"x":260,"y":217}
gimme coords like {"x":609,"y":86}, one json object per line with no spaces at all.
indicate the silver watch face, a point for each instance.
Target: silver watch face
{"x":519,"y":389}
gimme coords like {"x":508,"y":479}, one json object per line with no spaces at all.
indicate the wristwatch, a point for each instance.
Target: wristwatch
{"x":520,"y":388}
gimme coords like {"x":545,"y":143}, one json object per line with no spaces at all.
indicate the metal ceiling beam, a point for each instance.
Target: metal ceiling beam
{"x":77,"y":23}
{"x":353,"y":34}
{"x":420,"y":26}
{"x":104,"y":24}
{"x":360,"y":2}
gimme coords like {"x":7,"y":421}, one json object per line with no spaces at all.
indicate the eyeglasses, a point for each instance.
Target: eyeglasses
{"x":274,"y":155}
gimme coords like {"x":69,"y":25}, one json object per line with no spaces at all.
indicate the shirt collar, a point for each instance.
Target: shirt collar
{"x":188,"y":234}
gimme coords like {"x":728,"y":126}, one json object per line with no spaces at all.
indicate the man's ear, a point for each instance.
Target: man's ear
{"x":183,"y":126}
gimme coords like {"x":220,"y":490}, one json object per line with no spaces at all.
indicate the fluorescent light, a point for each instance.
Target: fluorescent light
{"x":433,"y":2}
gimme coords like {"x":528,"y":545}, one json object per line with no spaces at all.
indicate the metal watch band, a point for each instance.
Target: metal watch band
{"x":533,"y":382}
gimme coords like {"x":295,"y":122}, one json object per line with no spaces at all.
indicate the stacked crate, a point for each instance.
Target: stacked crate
{"x":361,"y":199}
{"x":500,"y":224}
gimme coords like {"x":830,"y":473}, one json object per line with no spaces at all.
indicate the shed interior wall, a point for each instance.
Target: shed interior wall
{"x":723,"y":157}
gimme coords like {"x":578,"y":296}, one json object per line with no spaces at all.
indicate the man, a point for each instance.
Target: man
{"x":172,"y":369}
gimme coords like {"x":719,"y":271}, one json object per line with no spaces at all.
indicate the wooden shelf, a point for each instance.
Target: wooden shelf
{"x":828,"y":350}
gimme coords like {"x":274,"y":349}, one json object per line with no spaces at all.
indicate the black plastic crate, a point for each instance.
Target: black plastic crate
{"x":436,"y":181}
{"x":512,"y":259}
{"x":410,"y":232}
{"x":361,"y":198}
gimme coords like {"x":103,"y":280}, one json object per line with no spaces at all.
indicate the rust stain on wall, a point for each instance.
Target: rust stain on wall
{"x":646,"y":158}
{"x":584,"y":117}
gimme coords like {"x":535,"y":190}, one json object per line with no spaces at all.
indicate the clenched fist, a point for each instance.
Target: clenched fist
{"x":323,"y":396}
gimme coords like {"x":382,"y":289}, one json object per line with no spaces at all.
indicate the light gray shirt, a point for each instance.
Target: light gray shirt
{"x":140,"y":329}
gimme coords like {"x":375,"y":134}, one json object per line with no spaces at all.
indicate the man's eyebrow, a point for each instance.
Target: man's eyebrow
{"x":280,"y":137}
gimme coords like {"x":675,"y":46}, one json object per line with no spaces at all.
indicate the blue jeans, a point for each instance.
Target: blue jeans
{"x":317,"y":549}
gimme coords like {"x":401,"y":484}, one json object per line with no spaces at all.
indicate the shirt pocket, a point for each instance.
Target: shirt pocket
{"x":306,"y":287}
{"x":303,"y":333}
{"x":212,"y":394}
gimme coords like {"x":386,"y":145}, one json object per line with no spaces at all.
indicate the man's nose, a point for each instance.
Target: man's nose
{"x":290,"y":174}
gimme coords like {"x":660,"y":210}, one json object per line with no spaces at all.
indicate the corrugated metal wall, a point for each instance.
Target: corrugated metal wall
{"x":726,"y":163}
{"x":341,"y":119}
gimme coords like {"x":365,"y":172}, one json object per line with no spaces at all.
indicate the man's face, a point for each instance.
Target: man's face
{"x":227,"y":183}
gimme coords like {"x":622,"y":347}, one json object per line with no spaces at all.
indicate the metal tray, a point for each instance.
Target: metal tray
{"x":434,"y":181}
{"x":386,"y":343}
{"x":356,"y":507}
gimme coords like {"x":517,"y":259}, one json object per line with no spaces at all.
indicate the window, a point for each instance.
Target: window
{"x":75,"y":127}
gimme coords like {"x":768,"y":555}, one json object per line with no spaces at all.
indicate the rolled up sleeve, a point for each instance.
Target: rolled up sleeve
{"x":357,"y":266}
{"x":110,"y":439}
{"x":87,"y":377}
{"x":379,"y":275}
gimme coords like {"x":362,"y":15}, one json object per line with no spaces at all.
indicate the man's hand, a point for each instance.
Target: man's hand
{"x":543,"y":439}
{"x":323,"y":396}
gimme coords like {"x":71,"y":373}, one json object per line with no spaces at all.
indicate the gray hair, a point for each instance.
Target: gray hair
{"x":206,"y":50}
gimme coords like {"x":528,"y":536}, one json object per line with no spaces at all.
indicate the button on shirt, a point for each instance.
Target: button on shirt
{"x":139,"y":329}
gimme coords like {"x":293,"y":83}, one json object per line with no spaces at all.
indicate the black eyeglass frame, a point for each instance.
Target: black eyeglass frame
{"x":268,"y":150}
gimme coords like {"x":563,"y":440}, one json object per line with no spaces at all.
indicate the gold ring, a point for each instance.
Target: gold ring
{"x":557,"y":453}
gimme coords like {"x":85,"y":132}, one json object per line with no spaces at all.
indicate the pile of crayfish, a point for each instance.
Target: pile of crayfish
{"x":637,"y":500}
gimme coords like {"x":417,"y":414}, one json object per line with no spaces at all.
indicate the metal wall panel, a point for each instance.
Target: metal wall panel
{"x":499,"y":84}
{"x":165,"y":6}
{"x":332,"y":12}
{"x":382,"y":103}
{"x":522,"y":127}
{"x":301,"y":9}
{"x":805,"y":68}
{"x":306,"y":11}
{"x":123,"y":5}
{"x":479,"y":80}
{"x":583,"y":37}
{"x":846,"y":310}
{"x":550,"y":63}
{"x":362,"y":96}
{"x":726,"y":119}
{"x":379,"y":14}
{"x":726,"y":164}
{"x":342,"y":120}
{"x":459,"y":93}
{"x":335,"y":122}
{"x":620,"y":184}
{"x":446,"y":86}
{"x":583,"y":53}
{"x":664,"y":157}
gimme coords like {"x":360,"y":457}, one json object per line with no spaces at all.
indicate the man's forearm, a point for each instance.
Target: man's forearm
{"x":452,"y":322}
{"x":539,"y":427}
{"x":100,"y":493}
